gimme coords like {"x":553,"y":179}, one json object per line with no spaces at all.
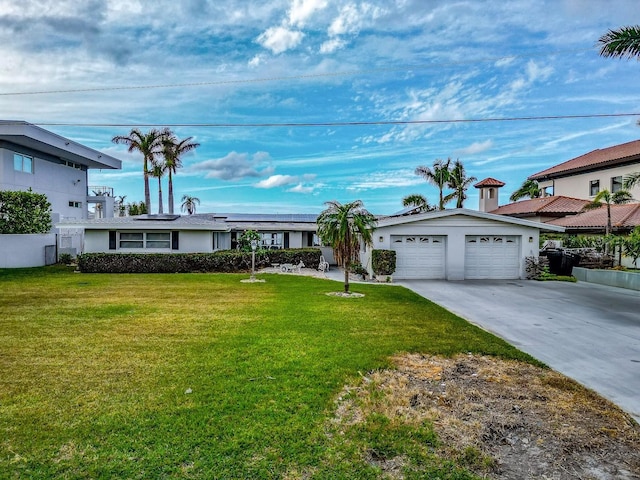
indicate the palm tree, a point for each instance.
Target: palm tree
{"x":158,"y":169}
{"x":529,"y":188}
{"x":121,"y":206}
{"x":419,"y":201}
{"x":459,"y":182}
{"x":189,"y":204}
{"x":621,"y":43}
{"x":607,"y":198}
{"x":631,"y":180}
{"x":150,"y":145}
{"x":173,"y":149}
{"x":438,"y":175}
{"x":344,"y":227}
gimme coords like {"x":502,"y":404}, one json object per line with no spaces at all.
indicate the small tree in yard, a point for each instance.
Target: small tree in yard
{"x":24,"y":212}
{"x":345,"y":227}
{"x":632,"y":246}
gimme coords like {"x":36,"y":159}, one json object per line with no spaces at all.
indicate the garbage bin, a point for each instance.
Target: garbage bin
{"x":561,"y":262}
{"x":555,"y":261}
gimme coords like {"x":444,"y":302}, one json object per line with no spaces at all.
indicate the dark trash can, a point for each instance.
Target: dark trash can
{"x":562,"y":263}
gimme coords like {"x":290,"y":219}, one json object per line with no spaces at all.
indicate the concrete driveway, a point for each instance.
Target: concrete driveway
{"x":588,"y":332}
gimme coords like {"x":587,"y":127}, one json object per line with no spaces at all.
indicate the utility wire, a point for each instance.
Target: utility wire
{"x":294,"y":77}
{"x":338,"y":124}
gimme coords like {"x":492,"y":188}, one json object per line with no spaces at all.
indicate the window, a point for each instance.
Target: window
{"x":492,"y":193}
{"x":616,"y":184}
{"x":594,"y":187}
{"x":145,"y":240}
{"x":75,"y":204}
{"x":22,"y":163}
{"x":271,"y":240}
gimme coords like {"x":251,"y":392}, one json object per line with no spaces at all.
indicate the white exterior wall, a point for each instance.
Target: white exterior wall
{"x":577,"y":186}
{"x":455,"y":229}
{"x":60,"y":183}
{"x":23,"y":251}
{"x":190,"y":241}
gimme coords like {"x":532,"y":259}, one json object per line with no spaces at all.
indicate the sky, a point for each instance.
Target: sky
{"x":300,"y":102}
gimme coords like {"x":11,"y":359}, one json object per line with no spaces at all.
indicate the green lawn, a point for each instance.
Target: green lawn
{"x":95,"y":370}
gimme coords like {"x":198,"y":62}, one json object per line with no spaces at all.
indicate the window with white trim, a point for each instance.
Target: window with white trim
{"x":22,"y":163}
{"x":145,"y":240}
{"x":75,"y":204}
{"x":594,"y":187}
{"x":616,"y":184}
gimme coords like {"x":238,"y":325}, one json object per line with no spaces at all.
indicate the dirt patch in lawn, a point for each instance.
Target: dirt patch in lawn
{"x":500,"y":419}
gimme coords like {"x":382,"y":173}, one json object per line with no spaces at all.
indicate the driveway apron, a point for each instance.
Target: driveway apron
{"x":588,"y":332}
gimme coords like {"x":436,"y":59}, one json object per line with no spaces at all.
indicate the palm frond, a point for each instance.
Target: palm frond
{"x":622,"y":43}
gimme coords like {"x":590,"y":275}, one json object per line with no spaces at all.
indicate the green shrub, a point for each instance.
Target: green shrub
{"x":225,"y":261}
{"x":24,"y":212}
{"x":383,"y":262}
{"x":65,"y":258}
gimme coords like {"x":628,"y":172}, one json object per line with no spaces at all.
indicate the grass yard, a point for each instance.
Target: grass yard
{"x":201,"y":376}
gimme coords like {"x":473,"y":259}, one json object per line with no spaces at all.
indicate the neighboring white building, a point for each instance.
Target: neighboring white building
{"x":32,"y":157}
{"x":584,"y":176}
{"x":36,"y":159}
{"x":459,"y":244}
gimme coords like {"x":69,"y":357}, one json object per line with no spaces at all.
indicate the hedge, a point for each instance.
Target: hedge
{"x":226,"y":261}
{"x":24,"y":212}
{"x":383,"y":262}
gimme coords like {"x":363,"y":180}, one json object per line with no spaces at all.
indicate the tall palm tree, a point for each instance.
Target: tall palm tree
{"x":172,"y":150}
{"x":605,"y":197}
{"x":459,"y":183}
{"x":158,"y":169}
{"x":189,"y":204}
{"x":418,"y":201}
{"x":150,"y":146}
{"x":529,"y":188}
{"x":631,"y":180}
{"x":344,"y":227}
{"x":438,"y":175}
{"x":621,"y":43}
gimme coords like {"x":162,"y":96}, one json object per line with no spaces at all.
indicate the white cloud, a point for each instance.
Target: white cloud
{"x":280,"y":39}
{"x":276,"y":181}
{"x":389,"y":179}
{"x":475,"y":148}
{"x":300,"y":188}
{"x":235,"y":166}
{"x":536,"y":72}
{"x":301,"y":10}
{"x":332,"y":45}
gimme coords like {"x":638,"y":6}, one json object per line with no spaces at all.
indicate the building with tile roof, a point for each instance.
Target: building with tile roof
{"x":586,"y":175}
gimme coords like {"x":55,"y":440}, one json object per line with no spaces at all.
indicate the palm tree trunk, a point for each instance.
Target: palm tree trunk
{"x":346,"y":277}
{"x":170,"y":196}
{"x":147,"y":193}
{"x":160,"y":210}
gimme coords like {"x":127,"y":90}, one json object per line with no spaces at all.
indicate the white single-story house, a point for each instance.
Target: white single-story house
{"x":199,"y":233}
{"x":449,"y":244}
{"x":458,"y":244}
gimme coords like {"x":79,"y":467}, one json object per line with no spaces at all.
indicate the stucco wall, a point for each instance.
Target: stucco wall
{"x":577,"y":186}
{"x":455,"y":229}
{"x":20,"y":251}
{"x":192,"y":241}
{"x":60,"y":183}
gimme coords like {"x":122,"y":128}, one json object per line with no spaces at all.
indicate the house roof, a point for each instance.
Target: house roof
{"x":623,"y":217}
{"x":595,"y":160}
{"x":38,"y":139}
{"x":220,"y":222}
{"x":489,"y":182}
{"x":553,"y":205}
{"x":398,"y":220}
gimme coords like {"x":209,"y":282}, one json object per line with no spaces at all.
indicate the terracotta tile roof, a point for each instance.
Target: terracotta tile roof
{"x":547,"y":205}
{"x":622,"y":217}
{"x":489,"y":182}
{"x":601,"y":157}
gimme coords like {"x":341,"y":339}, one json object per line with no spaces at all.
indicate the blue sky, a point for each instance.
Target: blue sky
{"x":100,"y":62}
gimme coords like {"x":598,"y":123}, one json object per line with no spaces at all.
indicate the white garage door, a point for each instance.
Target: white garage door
{"x":492,"y":256}
{"x":419,"y":256}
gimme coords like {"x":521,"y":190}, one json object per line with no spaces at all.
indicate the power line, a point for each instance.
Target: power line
{"x":337,"y":124}
{"x":294,"y":77}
